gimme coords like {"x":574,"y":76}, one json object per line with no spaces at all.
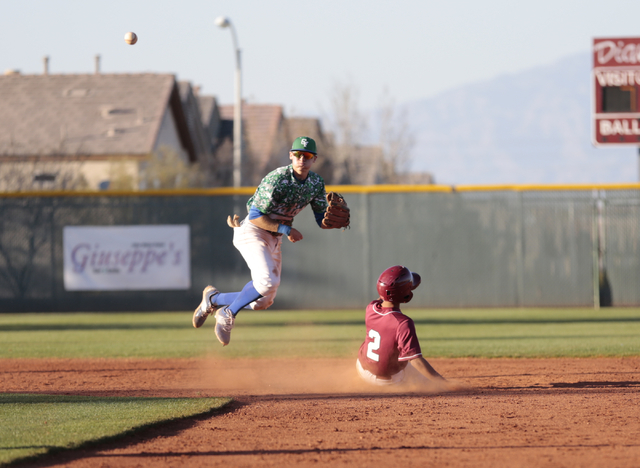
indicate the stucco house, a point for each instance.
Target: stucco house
{"x":131,"y":131}
{"x":79,"y":131}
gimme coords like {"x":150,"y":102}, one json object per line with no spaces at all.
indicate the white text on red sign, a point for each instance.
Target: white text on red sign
{"x":619,"y":127}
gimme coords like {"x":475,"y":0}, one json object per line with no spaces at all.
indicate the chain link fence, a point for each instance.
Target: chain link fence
{"x":473,"y":248}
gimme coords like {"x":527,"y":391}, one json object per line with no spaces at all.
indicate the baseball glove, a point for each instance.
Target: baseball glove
{"x":338,"y":214}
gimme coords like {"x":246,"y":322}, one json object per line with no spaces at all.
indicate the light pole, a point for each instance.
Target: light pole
{"x":224,"y":22}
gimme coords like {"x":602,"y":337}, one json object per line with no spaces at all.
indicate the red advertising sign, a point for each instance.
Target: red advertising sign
{"x":616,"y":86}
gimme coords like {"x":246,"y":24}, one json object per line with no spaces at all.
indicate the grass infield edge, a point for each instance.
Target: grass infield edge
{"x":54,"y":451}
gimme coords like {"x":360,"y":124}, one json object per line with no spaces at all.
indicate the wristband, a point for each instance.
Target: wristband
{"x":284,"y":229}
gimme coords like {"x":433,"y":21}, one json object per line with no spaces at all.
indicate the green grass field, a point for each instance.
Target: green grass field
{"x":35,"y":424}
{"x":442,"y":333}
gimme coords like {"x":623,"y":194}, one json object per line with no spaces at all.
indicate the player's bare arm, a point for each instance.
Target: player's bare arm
{"x":423,"y":366}
{"x":294,"y":235}
{"x":268,"y":224}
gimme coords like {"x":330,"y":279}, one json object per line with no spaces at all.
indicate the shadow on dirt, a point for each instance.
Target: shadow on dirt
{"x":594,"y":384}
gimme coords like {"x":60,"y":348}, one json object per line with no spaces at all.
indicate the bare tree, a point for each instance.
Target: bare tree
{"x":356,"y":159}
{"x":348,"y":126}
{"x":395,"y":138}
{"x":23,"y":233}
{"x":167,"y":169}
{"x":121,"y":177}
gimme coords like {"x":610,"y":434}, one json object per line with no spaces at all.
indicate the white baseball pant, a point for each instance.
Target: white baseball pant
{"x":262,"y":251}
{"x":375,"y":380}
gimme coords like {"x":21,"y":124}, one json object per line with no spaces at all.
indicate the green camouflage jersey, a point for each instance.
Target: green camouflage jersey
{"x":282,"y":194}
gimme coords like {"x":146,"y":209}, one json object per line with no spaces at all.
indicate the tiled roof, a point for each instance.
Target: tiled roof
{"x":261,"y":124}
{"x":307,"y":126}
{"x":210,"y":116}
{"x":193,"y":115}
{"x":83,"y":115}
{"x":300,"y":126}
{"x":268,"y":136}
{"x":264,"y":137}
{"x":208,"y":108}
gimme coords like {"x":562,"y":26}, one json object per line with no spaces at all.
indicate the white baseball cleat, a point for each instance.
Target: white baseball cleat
{"x":206,"y":306}
{"x":224,"y":324}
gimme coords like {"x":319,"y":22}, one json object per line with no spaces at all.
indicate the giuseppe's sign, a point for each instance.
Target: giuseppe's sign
{"x":616,"y":90}
{"x":99,"y":258}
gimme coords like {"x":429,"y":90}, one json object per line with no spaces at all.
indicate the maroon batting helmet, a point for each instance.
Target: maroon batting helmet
{"x":396,"y":283}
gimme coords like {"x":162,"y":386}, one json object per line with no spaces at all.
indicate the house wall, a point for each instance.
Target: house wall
{"x":113,"y":172}
{"x":69,"y":175}
{"x":168,"y":135}
{"x":22,"y":176}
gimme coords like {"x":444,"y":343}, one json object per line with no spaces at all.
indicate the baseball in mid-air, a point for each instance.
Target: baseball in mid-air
{"x":130,"y":38}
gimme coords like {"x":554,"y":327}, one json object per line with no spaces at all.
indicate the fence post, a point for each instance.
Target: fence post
{"x":366,"y":245}
{"x":520,"y":249}
{"x":595,"y":249}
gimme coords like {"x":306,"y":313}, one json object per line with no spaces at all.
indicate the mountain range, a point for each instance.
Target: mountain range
{"x":530,"y":127}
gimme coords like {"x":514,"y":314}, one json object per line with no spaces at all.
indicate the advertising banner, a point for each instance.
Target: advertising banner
{"x":117,"y":258}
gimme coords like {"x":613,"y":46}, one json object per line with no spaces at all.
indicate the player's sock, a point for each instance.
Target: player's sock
{"x":245,"y":297}
{"x":226,"y":298}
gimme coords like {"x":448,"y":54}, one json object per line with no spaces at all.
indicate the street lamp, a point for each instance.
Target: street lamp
{"x":224,"y":22}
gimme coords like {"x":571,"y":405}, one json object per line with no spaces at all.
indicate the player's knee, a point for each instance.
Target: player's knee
{"x":268,"y":289}
{"x":264,"y":302}
{"x":267,"y":285}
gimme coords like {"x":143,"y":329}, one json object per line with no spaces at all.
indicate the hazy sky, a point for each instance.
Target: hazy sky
{"x":295,"y":51}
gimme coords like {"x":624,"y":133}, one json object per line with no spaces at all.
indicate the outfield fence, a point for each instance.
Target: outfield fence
{"x":507,"y":246}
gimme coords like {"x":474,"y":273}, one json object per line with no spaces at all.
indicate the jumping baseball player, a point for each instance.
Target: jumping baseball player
{"x":391,"y":340}
{"x":281,"y":195}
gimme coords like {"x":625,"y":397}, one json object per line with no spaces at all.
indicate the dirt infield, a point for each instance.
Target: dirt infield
{"x":506,"y":412}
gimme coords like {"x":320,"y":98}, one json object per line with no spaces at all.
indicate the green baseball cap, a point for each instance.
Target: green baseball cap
{"x":304,"y":143}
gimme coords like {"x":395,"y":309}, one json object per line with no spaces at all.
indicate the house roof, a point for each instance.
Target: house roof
{"x":87,"y":115}
{"x":193,"y":115}
{"x":309,"y":126}
{"x":211,"y":120}
{"x":208,"y":108}
{"x":261,"y":123}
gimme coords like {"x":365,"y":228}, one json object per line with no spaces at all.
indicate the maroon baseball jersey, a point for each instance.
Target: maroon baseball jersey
{"x":391,"y":341}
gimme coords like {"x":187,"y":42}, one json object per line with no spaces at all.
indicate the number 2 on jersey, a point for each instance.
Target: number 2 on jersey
{"x":373,"y":346}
